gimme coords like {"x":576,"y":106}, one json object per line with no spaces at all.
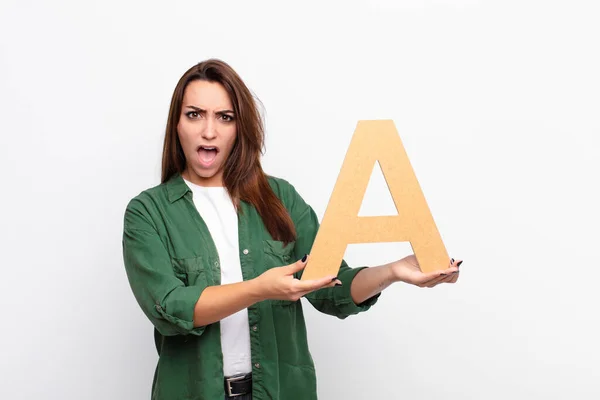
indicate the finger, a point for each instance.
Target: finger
{"x":436,"y":281}
{"x":455,"y":276}
{"x":450,"y":278}
{"x":297,"y":266}
{"x":442,"y":276}
{"x":426,"y":277}
{"x":314,"y":284}
{"x":335,"y":282}
{"x":332,"y":283}
{"x":450,"y":275}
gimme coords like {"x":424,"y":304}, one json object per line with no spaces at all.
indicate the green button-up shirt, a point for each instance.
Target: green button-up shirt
{"x":170,"y":258}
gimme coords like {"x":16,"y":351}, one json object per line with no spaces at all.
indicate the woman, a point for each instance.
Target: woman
{"x":215,"y":252}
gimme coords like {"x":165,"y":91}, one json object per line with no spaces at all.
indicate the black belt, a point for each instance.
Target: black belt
{"x":238,"y":385}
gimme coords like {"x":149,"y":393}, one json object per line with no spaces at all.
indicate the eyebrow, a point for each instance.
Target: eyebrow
{"x":218,"y":112}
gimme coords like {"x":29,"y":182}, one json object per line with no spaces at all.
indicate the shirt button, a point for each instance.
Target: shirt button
{"x":257,"y":365}
{"x":245,"y":251}
{"x":255,"y":328}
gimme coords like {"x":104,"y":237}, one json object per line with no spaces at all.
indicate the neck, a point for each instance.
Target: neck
{"x":213,"y":181}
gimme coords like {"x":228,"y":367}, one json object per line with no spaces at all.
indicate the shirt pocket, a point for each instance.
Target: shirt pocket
{"x":191,"y":270}
{"x":276,"y":254}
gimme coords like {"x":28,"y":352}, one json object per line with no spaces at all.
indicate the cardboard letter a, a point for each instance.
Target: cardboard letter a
{"x":375,"y":141}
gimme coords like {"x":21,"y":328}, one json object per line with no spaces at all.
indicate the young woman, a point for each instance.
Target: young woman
{"x":215,"y":252}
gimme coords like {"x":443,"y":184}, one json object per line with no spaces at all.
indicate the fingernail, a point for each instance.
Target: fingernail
{"x":304,"y":258}
{"x":458,"y":265}
{"x":455,"y":272}
{"x":452,"y":261}
{"x":443,"y":273}
{"x":334,"y":279}
{"x":338,"y":284}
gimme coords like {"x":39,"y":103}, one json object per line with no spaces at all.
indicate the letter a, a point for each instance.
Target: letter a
{"x":375,"y":141}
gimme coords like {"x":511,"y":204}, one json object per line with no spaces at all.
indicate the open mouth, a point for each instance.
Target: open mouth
{"x":207,"y":154}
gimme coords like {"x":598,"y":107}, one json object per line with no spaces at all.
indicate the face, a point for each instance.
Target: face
{"x":207,"y":132}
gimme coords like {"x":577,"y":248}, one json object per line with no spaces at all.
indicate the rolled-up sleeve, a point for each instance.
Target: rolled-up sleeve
{"x":342,"y":297}
{"x":163,"y":296}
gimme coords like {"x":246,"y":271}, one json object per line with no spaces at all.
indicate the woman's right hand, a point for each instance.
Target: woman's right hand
{"x":280,"y":284}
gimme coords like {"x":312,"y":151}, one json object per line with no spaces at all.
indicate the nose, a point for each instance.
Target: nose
{"x":210,"y":129}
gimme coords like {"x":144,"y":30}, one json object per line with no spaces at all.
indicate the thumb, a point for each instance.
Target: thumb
{"x":298,"y":265}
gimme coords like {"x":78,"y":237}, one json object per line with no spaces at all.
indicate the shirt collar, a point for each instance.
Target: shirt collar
{"x":176,"y":188}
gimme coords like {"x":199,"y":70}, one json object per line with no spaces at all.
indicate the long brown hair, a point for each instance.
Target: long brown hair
{"x":243,"y":175}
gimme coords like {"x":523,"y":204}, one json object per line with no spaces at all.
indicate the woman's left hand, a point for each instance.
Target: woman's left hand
{"x":408,"y":270}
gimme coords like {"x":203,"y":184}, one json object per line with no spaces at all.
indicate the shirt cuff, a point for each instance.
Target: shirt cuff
{"x":179,"y":308}
{"x":343,"y":297}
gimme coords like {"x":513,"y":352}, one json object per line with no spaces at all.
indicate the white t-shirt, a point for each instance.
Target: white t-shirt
{"x":219,"y":214}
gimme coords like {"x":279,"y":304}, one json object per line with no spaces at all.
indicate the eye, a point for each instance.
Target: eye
{"x":192,"y":114}
{"x":227,"y":117}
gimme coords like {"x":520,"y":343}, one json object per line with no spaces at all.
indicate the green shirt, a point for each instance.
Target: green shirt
{"x":170,"y":258}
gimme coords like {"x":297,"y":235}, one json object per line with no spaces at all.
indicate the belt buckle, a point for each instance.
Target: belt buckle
{"x":234,"y":379}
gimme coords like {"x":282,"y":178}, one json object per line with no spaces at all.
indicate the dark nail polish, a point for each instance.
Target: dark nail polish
{"x":338,"y":284}
{"x":458,"y":265}
{"x":334,"y":279}
{"x":305,"y":257}
{"x":453,"y":261}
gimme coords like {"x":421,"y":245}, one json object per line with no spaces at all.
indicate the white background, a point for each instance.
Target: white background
{"x":497,"y":103}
